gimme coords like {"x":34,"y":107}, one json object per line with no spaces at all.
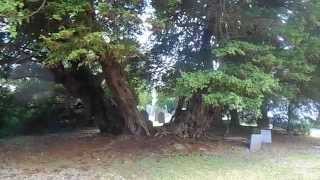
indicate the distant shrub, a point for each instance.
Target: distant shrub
{"x":297,"y":126}
{"x":315,"y":123}
{"x":12,"y":115}
{"x":301,"y":127}
{"x":19,"y":118}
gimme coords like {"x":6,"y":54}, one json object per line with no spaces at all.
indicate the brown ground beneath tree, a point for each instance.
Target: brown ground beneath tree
{"x":85,"y":152}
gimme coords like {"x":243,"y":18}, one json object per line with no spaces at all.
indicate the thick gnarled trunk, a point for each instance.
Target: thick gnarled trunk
{"x":195,"y":121}
{"x":123,"y":95}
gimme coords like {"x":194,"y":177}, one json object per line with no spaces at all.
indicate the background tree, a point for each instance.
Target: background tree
{"x":251,"y":45}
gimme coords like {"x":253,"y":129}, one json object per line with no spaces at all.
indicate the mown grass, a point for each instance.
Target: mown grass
{"x":225,"y":167}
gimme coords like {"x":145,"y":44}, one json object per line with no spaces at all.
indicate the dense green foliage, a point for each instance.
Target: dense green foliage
{"x":236,"y":55}
{"x":259,"y":52}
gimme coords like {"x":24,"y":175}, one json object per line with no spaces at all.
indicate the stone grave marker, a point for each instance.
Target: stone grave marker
{"x":255,"y":142}
{"x":266,"y":136}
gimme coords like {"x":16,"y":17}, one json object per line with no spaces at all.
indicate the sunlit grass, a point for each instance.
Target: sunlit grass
{"x":229,"y":167}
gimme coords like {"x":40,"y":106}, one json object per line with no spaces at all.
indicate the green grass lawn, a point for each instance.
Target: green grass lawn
{"x":94,"y":157}
{"x":227,"y":167}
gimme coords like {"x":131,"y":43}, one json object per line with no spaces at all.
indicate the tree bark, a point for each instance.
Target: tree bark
{"x":264,"y":122}
{"x":290,"y":117}
{"x":196,"y":120}
{"x":318,"y":109}
{"x":178,"y":112}
{"x":124,"y":96}
{"x":235,"y":120}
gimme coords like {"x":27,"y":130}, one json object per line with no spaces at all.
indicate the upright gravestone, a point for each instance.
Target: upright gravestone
{"x":255,"y":142}
{"x":266,"y":136}
{"x":161,"y":117}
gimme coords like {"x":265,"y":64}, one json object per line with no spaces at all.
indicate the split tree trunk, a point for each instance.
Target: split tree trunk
{"x":82,"y":84}
{"x":105,"y":114}
{"x":123,"y":95}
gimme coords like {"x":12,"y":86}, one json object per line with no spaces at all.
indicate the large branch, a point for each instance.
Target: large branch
{"x":39,"y":9}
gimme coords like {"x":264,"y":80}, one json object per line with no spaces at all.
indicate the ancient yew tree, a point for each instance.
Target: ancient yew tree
{"x":79,"y":34}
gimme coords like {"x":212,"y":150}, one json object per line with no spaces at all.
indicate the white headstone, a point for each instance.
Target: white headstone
{"x":255,"y":142}
{"x":266,"y":136}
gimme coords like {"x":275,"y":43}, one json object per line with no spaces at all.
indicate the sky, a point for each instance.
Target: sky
{"x":146,"y":27}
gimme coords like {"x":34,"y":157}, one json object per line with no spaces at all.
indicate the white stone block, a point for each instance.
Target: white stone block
{"x":255,"y":142}
{"x":266,"y":136}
